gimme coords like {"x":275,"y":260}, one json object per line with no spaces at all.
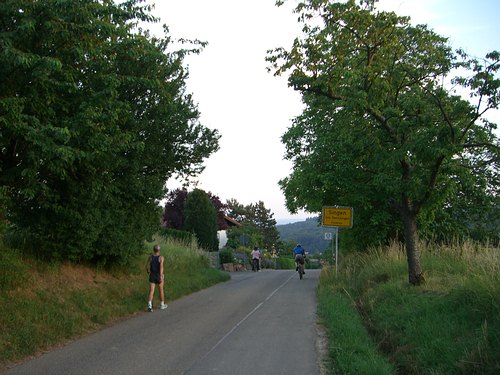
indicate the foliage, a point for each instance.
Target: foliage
{"x":258,"y":225}
{"x":173,"y":215}
{"x":95,"y":118}
{"x":246,"y":235}
{"x":177,"y":235}
{"x":242,"y":256}
{"x":380,"y":132}
{"x":285,"y":263}
{"x":263,"y":219}
{"x":220,"y":209}
{"x":467,"y":214}
{"x":286,"y":247}
{"x":449,"y":326}
{"x":201,"y":219}
{"x":226,"y":256}
{"x":236,"y":210}
{"x":181,"y":256}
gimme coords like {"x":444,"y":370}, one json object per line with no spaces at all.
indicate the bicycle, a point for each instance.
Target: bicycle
{"x":255,"y":265}
{"x":300,"y":270}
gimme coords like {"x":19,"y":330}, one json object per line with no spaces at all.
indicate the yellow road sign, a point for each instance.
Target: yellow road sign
{"x":337,"y":217}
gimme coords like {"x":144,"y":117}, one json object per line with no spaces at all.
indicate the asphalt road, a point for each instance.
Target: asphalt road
{"x":257,"y":323}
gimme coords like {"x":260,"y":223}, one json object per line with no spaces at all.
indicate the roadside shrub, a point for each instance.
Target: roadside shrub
{"x":285,"y":263}
{"x":268,"y":263}
{"x":242,"y":257}
{"x":226,"y":256}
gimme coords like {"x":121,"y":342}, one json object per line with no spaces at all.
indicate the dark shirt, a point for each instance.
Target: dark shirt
{"x":155,"y":264}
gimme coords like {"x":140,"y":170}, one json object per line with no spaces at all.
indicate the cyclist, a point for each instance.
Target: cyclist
{"x":299,"y":254}
{"x":256,"y":260}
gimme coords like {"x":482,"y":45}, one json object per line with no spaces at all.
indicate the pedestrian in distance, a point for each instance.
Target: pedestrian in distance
{"x":255,"y":259}
{"x":154,"y":268}
{"x":260,"y":258}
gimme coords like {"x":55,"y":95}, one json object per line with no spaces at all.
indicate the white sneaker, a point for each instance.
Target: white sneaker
{"x":150,"y":307}
{"x":163,"y":306}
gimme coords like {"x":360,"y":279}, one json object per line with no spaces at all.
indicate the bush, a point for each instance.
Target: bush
{"x":242,"y":257}
{"x":285,"y":263}
{"x":200,"y":217}
{"x":268,"y":263}
{"x":226,"y":256}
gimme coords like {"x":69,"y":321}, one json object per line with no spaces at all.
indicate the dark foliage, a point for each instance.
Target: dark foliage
{"x":200,"y":218}
{"x":173,"y":214}
{"x":95,"y":118}
{"x":226,"y":256}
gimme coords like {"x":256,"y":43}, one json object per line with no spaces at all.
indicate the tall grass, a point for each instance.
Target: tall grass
{"x":450,"y":325}
{"x":44,"y":304}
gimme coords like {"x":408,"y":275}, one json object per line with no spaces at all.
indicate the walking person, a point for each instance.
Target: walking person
{"x":255,"y":259}
{"x":154,"y":268}
{"x":260,"y":258}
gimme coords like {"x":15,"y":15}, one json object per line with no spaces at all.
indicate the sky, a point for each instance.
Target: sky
{"x":251,"y":108}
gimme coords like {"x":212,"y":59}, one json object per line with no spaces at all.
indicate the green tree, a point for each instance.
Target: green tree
{"x":380,"y":131}
{"x":257,"y":222}
{"x":200,"y":217}
{"x":264,"y":221}
{"x":95,"y":118}
{"x":236,"y":210}
{"x":285,"y":248}
{"x":246,"y":235}
{"x":173,"y":214}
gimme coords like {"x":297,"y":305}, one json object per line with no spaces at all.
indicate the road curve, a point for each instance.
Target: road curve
{"x":256,"y":323}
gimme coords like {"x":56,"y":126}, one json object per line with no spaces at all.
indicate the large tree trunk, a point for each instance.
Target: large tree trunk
{"x":415,"y":273}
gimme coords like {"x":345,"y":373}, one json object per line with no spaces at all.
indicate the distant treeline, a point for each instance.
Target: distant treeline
{"x":309,"y":233}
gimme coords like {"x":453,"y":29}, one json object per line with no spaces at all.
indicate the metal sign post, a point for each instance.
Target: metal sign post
{"x":337,"y":217}
{"x":336,"y":250}
{"x":329,"y":237}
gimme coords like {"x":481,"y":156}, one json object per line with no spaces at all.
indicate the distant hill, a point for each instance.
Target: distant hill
{"x":308,"y":233}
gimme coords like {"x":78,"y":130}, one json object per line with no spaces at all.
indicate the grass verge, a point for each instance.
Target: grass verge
{"x":379,"y":324}
{"x":350,"y":349}
{"x":43,"y":305}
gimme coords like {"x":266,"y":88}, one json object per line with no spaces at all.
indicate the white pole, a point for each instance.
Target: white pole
{"x":333,"y":254}
{"x":336,"y":249}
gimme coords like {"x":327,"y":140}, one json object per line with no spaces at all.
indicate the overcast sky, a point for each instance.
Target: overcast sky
{"x":251,"y":108}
